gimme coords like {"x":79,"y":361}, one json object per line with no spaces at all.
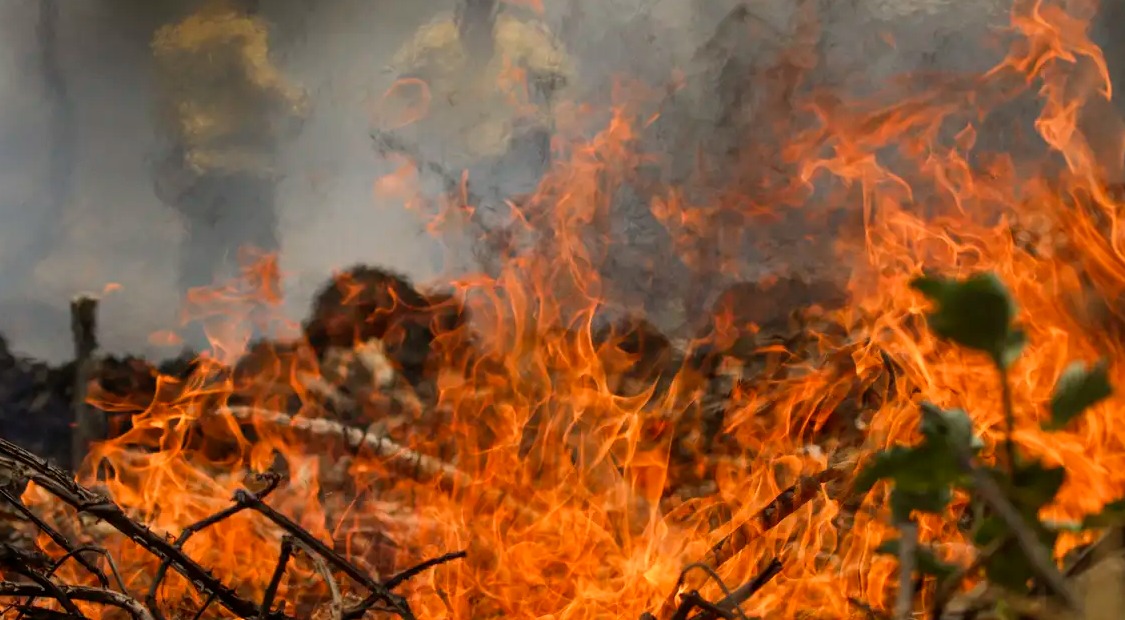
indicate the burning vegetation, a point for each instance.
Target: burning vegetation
{"x":918,"y":418}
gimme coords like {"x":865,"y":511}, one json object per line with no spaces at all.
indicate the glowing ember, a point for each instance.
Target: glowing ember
{"x":571,"y":494}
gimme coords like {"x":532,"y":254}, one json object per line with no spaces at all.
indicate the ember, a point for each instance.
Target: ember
{"x":575,"y":434}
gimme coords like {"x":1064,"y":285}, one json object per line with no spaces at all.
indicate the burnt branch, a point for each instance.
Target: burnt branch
{"x":398,"y":458}
{"x":58,"y":483}
{"x":781,"y":507}
{"x":359,"y":610}
{"x":773,"y":513}
{"x":278,"y":573}
{"x":76,"y":554}
{"x":336,"y":607}
{"x":272,"y":481}
{"x":418,"y":569}
{"x":204,"y":607}
{"x":743,"y":593}
{"x":56,"y":537}
{"x":727,"y":608}
{"x":397,"y":603}
{"x":78,"y":593}
{"x":22,"y":563}
{"x":23,"y":464}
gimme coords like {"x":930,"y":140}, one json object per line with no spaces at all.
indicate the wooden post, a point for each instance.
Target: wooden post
{"x":89,"y":424}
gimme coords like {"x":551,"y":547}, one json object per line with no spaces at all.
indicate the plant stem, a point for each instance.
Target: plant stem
{"x":907,"y":558}
{"x":1009,"y":417}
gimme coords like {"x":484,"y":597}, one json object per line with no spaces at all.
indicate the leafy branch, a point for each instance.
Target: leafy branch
{"x":1014,"y":545}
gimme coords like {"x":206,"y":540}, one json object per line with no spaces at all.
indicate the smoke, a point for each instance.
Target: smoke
{"x":76,"y":133}
{"x":80,"y":227}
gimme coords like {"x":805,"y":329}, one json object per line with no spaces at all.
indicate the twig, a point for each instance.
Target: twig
{"x":1109,"y":542}
{"x":59,"y":484}
{"x":785,"y":504}
{"x":272,"y":481}
{"x":20,"y":562}
{"x":907,"y":558}
{"x":336,"y":607}
{"x":1009,"y":416}
{"x":203,"y":608}
{"x":400,"y":459}
{"x":278,"y":573}
{"x":359,"y":610}
{"x":56,"y":537}
{"x":743,"y":593}
{"x":948,"y":586}
{"x":89,"y":423}
{"x":80,"y":593}
{"x":397,"y":458}
{"x":397,"y":603}
{"x":689,"y":602}
{"x":75,"y":553}
{"x":694,"y":600}
{"x":414,"y":571}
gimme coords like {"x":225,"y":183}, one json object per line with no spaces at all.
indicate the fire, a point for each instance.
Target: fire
{"x":572,"y":497}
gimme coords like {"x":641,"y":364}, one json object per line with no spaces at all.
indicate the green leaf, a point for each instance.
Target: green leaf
{"x":926,"y":562}
{"x":884,"y":465}
{"x":1112,"y":515}
{"x":976,"y":312}
{"x":932,"y":500}
{"x":918,"y":469}
{"x":923,"y":474}
{"x":949,"y":428}
{"x":1034,"y":486}
{"x":920,"y":475}
{"x":1078,"y":388}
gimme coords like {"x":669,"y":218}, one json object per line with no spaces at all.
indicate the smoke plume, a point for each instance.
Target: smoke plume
{"x":76,"y":131}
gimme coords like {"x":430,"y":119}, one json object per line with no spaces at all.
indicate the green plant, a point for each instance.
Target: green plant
{"x":1013,"y":544}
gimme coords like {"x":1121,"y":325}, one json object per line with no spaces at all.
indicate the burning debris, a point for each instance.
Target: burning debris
{"x":362,"y":321}
{"x":37,"y":568}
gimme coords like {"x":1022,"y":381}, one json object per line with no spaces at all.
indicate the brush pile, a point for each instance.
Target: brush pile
{"x":366,"y":382}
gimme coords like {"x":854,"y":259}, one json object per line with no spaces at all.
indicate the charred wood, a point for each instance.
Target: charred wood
{"x":17,"y":462}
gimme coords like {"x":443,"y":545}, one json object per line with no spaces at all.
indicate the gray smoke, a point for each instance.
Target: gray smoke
{"x":76,"y":132}
{"x":110,"y":228}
